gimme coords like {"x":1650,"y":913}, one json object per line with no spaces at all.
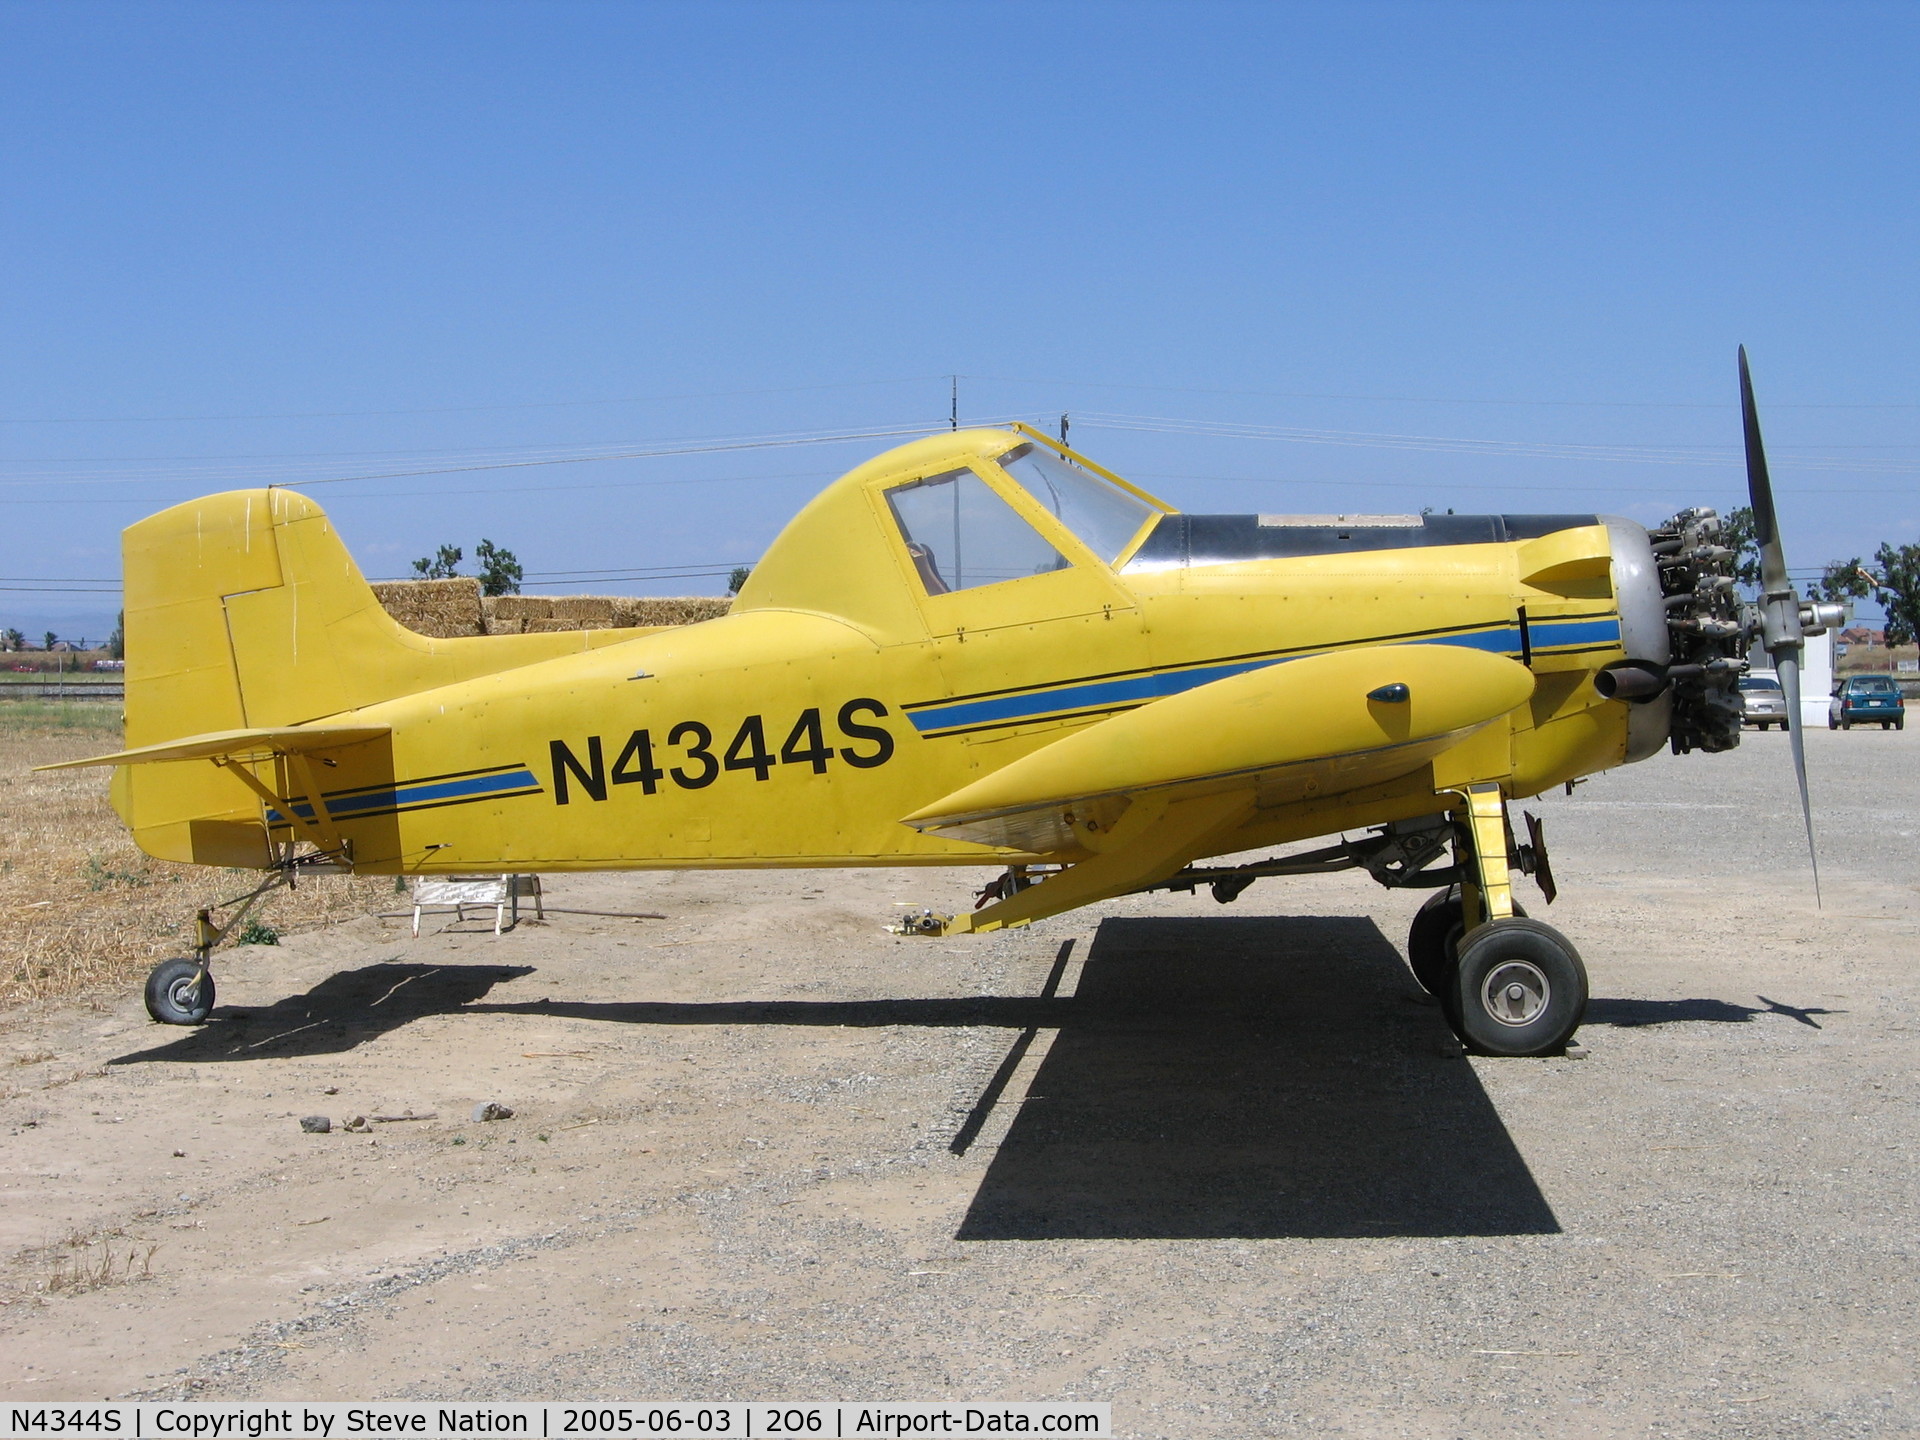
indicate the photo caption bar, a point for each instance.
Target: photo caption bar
{"x":744,"y":1420}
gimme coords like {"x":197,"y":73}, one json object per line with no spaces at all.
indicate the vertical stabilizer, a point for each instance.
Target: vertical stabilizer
{"x":245,"y":611}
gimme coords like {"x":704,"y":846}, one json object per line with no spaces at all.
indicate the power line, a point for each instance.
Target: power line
{"x":344,"y":496}
{"x":464,"y":409}
{"x":651,"y":451}
{"x":1697,"y":455}
{"x":1449,"y":487}
{"x":1447,"y":400}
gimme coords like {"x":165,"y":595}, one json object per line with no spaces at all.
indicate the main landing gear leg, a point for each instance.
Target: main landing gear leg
{"x":1514,"y":986}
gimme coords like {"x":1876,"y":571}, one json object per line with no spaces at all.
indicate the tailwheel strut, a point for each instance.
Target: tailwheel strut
{"x":180,"y":991}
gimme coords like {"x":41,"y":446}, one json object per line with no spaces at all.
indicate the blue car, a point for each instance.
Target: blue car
{"x":1861,"y":699}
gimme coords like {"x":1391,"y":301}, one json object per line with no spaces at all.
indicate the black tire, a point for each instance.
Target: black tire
{"x":1517,"y":988}
{"x":172,"y":997}
{"x":1846,"y":721}
{"x":1434,"y":937}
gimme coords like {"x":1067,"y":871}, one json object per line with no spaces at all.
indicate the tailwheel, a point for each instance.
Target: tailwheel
{"x":1434,"y":938}
{"x":1517,"y":988}
{"x":180,"y":992}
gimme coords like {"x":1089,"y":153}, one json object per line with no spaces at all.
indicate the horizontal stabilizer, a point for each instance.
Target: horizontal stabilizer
{"x":1316,"y":726}
{"x":220,"y":744}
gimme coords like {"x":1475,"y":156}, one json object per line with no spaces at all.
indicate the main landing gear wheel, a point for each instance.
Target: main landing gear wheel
{"x":179,"y":992}
{"x":1517,"y":988}
{"x":1435,"y":937}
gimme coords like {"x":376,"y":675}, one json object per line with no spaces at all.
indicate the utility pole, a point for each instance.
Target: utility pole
{"x":1063,"y":429}
{"x":953,"y":409}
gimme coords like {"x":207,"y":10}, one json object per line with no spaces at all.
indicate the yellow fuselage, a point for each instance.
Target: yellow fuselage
{"x":838,"y":697}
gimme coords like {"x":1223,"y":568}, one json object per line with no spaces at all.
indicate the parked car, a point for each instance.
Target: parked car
{"x":1860,"y":699}
{"x":1762,"y":701}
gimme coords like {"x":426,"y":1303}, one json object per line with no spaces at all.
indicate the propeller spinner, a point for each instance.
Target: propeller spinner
{"x":1783,"y":620}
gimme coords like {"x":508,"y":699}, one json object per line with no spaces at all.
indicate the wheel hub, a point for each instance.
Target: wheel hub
{"x":1515,"y":992}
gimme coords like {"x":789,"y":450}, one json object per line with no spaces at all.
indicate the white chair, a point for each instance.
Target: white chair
{"x":457,"y":892}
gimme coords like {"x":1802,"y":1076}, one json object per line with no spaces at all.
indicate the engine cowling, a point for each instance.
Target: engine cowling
{"x":1684,"y":631}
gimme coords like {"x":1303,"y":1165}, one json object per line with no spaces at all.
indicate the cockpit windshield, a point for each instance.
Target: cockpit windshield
{"x":1102,"y":515}
{"x":961,"y":535}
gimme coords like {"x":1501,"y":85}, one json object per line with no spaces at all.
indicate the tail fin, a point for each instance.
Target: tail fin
{"x":244,"y":611}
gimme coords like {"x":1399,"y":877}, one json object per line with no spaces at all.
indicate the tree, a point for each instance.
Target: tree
{"x":117,"y":641}
{"x":499,"y":571}
{"x":443,"y":566}
{"x":1736,"y":533}
{"x":1841,"y":581}
{"x":738,"y":578}
{"x":12,"y":640}
{"x":51,"y":640}
{"x":1898,"y":584}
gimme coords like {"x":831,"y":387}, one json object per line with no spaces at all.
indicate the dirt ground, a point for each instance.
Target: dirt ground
{"x":81,"y":908}
{"x":1220,"y":1166}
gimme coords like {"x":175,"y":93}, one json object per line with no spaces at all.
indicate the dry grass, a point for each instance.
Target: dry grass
{"x":84,"y":910}
{"x":1876,"y":659}
{"x":84,"y":1260}
{"x":80,"y":1268}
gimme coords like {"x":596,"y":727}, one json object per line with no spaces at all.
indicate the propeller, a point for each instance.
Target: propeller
{"x":1785,"y":621}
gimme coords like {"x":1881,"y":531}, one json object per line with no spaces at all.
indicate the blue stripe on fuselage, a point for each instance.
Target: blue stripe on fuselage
{"x":401,"y":797}
{"x":1139,"y":689}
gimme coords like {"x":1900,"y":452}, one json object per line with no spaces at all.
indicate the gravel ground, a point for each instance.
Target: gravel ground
{"x":1222,"y":1167}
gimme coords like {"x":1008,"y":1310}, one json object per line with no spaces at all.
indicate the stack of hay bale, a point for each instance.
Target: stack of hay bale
{"x":448,"y":608}
{"x":440,"y":608}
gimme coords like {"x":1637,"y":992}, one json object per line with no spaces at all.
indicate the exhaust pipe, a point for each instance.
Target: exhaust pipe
{"x":1635,"y":681}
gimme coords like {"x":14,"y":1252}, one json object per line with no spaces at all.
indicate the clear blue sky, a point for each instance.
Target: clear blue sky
{"x":249,"y":242}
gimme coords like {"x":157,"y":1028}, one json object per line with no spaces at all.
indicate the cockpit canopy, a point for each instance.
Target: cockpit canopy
{"x":1101,"y":514}
{"x":961,"y":534}
{"x":1012,"y":522}
{"x":1026,"y":530}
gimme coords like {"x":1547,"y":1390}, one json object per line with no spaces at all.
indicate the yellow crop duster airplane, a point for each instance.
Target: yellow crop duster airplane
{"x":978,"y":648}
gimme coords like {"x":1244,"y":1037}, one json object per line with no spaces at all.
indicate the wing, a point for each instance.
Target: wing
{"x":1306,"y":728}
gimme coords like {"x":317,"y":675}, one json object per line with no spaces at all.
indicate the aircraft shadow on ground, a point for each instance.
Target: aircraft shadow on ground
{"x":1252,"y":1078}
{"x":1210,"y":1078}
{"x":346,"y":1009}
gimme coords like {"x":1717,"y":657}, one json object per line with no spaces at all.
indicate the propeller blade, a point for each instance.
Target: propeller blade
{"x":1788,"y":663}
{"x":1766,"y":525}
{"x":1780,"y":627}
